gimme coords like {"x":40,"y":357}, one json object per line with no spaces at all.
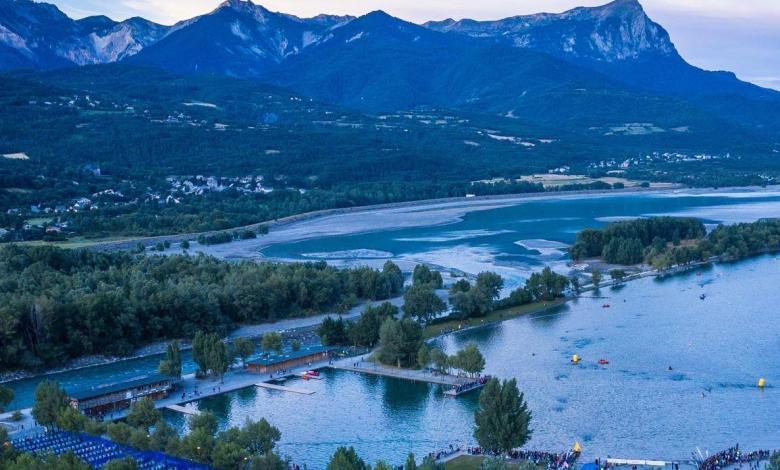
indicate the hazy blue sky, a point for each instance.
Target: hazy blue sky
{"x":738,"y":35}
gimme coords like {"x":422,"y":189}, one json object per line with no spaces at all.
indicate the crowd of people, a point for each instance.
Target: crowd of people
{"x":551,"y":461}
{"x":446,"y":452}
{"x":465,"y":387}
{"x":733,"y":456}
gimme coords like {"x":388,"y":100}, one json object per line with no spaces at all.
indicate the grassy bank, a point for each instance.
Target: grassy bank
{"x":471,"y":462}
{"x":496,"y":316}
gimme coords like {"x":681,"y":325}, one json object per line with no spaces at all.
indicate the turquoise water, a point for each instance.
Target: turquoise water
{"x":516,"y":240}
{"x":635,"y":407}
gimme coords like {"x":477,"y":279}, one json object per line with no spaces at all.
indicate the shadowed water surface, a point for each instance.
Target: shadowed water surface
{"x":634,"y":407}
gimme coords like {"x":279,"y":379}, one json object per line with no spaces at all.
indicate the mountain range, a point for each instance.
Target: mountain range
{"x":587,"y":65}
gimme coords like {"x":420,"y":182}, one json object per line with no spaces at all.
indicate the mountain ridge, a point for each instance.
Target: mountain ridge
{"x":595,"y":64}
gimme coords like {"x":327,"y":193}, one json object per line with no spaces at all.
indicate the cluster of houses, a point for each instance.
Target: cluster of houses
{"x":656,"y":157}
{"x":198,"y":185}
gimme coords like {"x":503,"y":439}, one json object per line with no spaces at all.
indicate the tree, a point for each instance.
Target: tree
{"x":502,"y":419}
{"x":439,"y":359}
{"x":462,"y":285}
{"x":206,"y":421}
{"x":127,"y":463}
{"x":393,"y":276}
{"x":164,"y":437}
{"x":333,"y":332}
{"x":574,"y":280}
{"x":228,"y":455}
{"x":774,"y":462}
{"x":171,"y":365}
{"x":479,"y":299}
{"x":119,"y":432}
{"x":411,"y":463}
{"x":6,"y":397}
{"x":423,"y":356}
{"x":470,"y":360}
{"x":547,"y":285}
{"x":210,"y":353}
{"x":3,"y":441}
{"x":489,"y":286}
{"x":423,"y":276}
{"x":259,"y":437}
{"x":218,"y":356}
{"x":595,"y":277}
{"x":365,"y":331}
{"x":295,"y":345}
{"x":200,"y":351}
{"x":244,"y":347}
{"x":399,"y":342}
{"x":272,"y":341}
{"x":50,"y":400}
{"x":185,"y":245}
{"x":421,"y":301}
{"x":143,"y":414}
{"x":346,"y":459}
{"x":197,"y":445}
{"x":617,"y":275}
{"x":269,"y":461}
{"x":71,"y":419}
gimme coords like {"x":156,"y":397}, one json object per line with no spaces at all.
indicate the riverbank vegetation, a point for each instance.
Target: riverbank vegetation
{"x":663,"y":242}
{"x":251,"y":446}
{"x":625,"y":242}
{"x":60,"y":304}
{"x":502,"y":420}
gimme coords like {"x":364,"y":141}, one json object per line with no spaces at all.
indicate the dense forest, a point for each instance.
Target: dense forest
{"x":625,"y":242}
{"x":130,"y":140}
{"x":669,"y":241}
{"x":58,"y":304}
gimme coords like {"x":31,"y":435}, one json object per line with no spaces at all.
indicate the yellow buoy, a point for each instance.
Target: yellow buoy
{"x":577,"y":447}
{"x":761,"y":383}
{"x":575,"y":359}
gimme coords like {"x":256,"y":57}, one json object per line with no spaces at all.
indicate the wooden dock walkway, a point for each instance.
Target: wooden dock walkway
{"x":407,"y":374}
{"x":187,"y":410}
{"x":282,"y":388}
{"x":453,"y":392}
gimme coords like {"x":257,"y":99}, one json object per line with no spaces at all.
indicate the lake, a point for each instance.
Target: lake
{"x":511,"y":236}
{"x":635,"y":407}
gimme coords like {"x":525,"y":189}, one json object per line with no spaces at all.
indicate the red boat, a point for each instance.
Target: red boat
{"x":313,"y":373}
{"x":603,"y":362}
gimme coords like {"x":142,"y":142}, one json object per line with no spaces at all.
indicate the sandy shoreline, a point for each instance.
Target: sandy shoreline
{"x":481,"y":203}
{"x":503,"y":199}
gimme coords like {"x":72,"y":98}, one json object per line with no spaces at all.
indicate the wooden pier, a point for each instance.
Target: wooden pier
{"x":282,"y":388}
{"x":187,"y":410}
{"x":454,"y":392}
{"x":407,"y":374}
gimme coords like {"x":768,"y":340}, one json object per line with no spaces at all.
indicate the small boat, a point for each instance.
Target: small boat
{"x":703,"y":296}
{"x":603,"y":362}
{"x":605,"y":306}
{"x":313,"y":373}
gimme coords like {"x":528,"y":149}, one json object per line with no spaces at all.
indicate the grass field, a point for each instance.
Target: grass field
{"x":471,"y":462}
{"x":493,"y":317}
